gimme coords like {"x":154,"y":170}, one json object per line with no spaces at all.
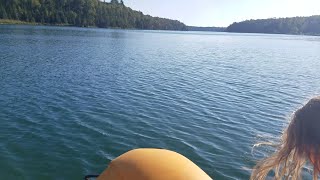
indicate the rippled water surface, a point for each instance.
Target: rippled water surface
{"x":72,"y":99}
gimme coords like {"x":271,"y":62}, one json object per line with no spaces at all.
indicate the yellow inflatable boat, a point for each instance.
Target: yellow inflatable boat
{"x":152,"y":164}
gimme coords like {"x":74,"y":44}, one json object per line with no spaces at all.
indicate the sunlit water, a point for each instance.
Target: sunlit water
{"x":72,"y":99}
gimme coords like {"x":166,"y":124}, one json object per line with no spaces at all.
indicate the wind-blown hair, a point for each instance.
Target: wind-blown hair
{"x":300,"y":143}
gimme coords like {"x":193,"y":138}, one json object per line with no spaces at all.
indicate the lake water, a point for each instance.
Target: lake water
{"x":72,"y":99}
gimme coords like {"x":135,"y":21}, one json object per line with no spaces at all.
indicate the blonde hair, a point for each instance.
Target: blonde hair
{"x":300,"y":143}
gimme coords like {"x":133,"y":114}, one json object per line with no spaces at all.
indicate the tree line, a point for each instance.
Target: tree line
{"x":84,"y":13}
{"x":296,"y":25}
{"x":214,"y":29}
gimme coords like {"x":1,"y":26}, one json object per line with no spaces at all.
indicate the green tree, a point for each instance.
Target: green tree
{"x":3,"y":13}
{"x":114,"y":2}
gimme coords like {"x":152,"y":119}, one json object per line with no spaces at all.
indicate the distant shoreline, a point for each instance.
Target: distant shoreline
{"x":13,"y":22}
{"x":309,"y":25}
{"x":18,"y":22}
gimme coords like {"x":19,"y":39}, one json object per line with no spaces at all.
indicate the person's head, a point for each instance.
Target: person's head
{"x":300,"y":143}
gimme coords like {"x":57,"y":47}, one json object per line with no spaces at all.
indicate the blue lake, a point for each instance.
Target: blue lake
{"x":73,"y":99}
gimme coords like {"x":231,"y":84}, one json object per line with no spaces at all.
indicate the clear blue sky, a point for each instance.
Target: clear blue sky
{"x":224,"y":12}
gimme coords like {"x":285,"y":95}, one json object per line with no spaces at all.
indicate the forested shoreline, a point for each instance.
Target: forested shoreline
{"x":213,"y":29}
{"x":84,"y":13}
{"x":296,"y":25}
{"x":114,"y":14}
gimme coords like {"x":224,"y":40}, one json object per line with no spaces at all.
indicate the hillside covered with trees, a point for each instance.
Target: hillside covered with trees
{"x":296,"y":25}
{"x":84,"y":13}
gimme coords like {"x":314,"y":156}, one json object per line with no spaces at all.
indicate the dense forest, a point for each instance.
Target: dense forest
{"x":296,"y":25}
{"x":84,"y":13}
{"x":215,"y":29}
